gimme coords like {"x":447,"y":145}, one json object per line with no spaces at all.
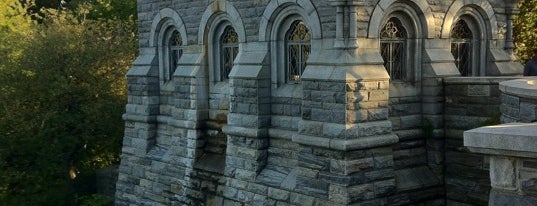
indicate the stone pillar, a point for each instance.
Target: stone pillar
{"x":340,"y":12}
{"x":510,"y":11}
{"x":248,"y":120}
{"x":346,"y":23}
{"x":140,"y":126}
{"x":437,"y":65}
{"x":189,"y":116}
{"x":345,"y":140}
{"x":513,"y":161}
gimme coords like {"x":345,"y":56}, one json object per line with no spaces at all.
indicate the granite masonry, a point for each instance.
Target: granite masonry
{"x":313,"y":102}
{"x":511,"y":147}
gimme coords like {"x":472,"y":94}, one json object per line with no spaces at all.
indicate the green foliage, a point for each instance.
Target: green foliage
{"x":97,"y":9}
{"x":525,"y":29}
{"x":110,"y":9}
{"x":62,"y":94}
{"x":14,"y":16}
{"x":15,"y":24}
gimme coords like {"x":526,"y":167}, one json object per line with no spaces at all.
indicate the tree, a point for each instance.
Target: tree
{"x":62,"y":94}
{"x":525,"y":29}
{"x":15,"y":27}
{"x":105,"y":9}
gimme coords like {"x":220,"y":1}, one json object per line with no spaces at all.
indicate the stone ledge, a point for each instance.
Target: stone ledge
{"x":255,"y":72}
{"x":520,"y":87}
{"x":245,"y":132}
{"x":476,"y":80}
{"x":190,"y":65}
{"x":344,"y":131}
{"x":347,"y":145}
{"x":281,"y":134}
{"x":162,"y":120}
{"x":141,"y":71}
{"x":513,"y":139}
{"x":140,"y":118}
{"x":142,"y":66}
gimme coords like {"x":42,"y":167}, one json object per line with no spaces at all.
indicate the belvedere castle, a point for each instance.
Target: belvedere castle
{"x":315,"y":102}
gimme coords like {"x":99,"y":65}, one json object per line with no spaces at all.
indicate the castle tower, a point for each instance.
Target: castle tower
{"x":300,"y":102}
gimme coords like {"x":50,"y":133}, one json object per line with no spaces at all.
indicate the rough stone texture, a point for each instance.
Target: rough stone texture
{"x":467,"y":174}
{"x":344,"y":135}
{"x":509,"y":198}
{"x":513,"y":157}
{"x":519,"y":102}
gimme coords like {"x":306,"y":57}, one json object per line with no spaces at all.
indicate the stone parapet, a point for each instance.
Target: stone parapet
{"x":470,"y":102}
{"x":519,"y":100}
{"x":513,"y":161}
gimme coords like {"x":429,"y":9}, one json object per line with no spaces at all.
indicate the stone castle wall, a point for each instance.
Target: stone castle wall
{"x":346,"y":134}
{"x":510,"y":146}
{"x":471,"y":102}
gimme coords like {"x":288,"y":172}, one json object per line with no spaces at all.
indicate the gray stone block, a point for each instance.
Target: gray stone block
{"x":272,"y":176}
{"x":528,"y":112}
{"x":228,"y":202}
{"x":299,"y":199}
{"x":509,"y":100}
{"x":529,"y":186}
{"x":278,"y":194}
{"x":315,"y":188}
{"x":498,"y":198}
{"x":258,"y":189}
{"x":245,"y":196}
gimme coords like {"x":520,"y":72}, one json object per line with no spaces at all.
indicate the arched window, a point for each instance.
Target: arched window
{"x":171,"y":51}
{"x":393,"y":45}
{"x":298,"y":49}
{"x":175,"y":51}
{"x":229,"y":48}
{"x":461,"y":48}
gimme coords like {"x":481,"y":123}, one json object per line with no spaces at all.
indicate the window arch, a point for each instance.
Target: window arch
{"x":229,"y":48}
{"x":393,"y":37}
{"x":397,"y":40}
{"x":297,"y":50}
{"x":171,"y":51}
{"x":290,"y":49}
{"x":466,"y":46}
{"x":168,"y":37}
{"x":224,"y":48}
{"x":281,"y":15}
{"x":461,"y":46}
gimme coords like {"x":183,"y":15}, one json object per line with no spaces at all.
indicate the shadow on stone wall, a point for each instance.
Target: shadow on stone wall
{"x":106,"y":179}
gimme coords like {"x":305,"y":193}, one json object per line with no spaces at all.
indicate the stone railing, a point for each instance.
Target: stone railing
{"x":512,"y":147}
